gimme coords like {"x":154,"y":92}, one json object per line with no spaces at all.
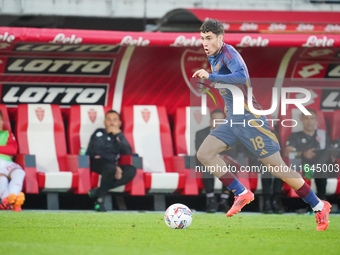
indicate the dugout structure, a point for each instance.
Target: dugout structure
{"x":120,"y":69}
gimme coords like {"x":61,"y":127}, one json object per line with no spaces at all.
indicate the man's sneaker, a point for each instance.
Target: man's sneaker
{"x":211,"y":205}
{"x":4,"y":205}
{"x":322,"y":216}
{"x":240,"y":202}
{"x":20,"y":199}
{"x":223,"y":205}
{"x":93,"y":193}
{"x":99,"y":205}
{"x":277,"y":205}
{"x":267,"y":207}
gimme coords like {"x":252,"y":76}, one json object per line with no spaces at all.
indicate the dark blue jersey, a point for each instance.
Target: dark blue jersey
{"x":228,"y":67}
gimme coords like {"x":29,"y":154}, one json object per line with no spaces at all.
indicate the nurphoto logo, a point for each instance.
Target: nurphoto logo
{"x":239,"y":100}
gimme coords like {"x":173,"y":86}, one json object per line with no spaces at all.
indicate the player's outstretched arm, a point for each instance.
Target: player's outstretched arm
{"x":238,"y":77}
{"x":201,"y":74}
{"x":235,"y":78}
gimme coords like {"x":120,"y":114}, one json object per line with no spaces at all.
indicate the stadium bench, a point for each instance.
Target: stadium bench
{"x":147,"y":129}
{"x":84,"y":120}
{"x":188,"y":120}
{"x":40,"y":133}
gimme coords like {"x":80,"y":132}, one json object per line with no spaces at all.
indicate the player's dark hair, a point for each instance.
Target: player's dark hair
{"x":212,"y":25}
{"x":112,"y":111}
{"x":216,"y":111}
{"x":312,"y":110}
{"x":1,"y":115}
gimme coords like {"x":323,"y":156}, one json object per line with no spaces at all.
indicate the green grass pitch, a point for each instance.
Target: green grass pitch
{"x":45,"y":232}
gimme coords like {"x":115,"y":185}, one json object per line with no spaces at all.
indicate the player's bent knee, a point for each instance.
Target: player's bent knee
{"x":203,"y":157}
{"x":132,"y":172}
{"x":17,"y":173}
{"x":129,"y":172}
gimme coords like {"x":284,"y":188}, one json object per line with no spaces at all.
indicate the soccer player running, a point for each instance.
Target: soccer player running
{"x":228,"y":67}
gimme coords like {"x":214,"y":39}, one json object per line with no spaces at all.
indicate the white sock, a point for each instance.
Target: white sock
{"x":224,"y":196}
{"x":17,"y":179}
{"x":3,"y":187}
{"x":243,"y":192}
{"x":210,"y":194}
{"x":318,"y":207}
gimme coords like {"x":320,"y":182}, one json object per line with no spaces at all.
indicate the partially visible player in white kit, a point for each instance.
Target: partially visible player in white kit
{"x":11,"y":174}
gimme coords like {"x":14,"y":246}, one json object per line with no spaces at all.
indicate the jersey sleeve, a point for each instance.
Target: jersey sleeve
{"x":11,"y":147}
{"x":234,"y":63}
{"x":91,"y":148}
{"x":125,"y":148}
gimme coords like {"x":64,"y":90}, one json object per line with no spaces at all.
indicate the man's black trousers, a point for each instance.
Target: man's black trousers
{"x":108,"y":170}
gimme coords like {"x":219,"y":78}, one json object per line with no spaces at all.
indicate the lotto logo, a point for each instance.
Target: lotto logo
{"x":59,"y":67}
{"x":66,"y":94}
{"x":330,"y":99}
{"x":317,"y":70}
{"x":84,"y":48}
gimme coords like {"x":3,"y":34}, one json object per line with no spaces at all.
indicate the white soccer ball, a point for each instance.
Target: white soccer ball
{"x":178,"y":216}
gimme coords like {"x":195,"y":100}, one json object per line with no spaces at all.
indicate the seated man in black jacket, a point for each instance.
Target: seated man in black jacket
{"x":105,"y":147}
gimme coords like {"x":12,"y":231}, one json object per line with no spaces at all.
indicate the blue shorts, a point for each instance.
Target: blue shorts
{"x":254,"y":133}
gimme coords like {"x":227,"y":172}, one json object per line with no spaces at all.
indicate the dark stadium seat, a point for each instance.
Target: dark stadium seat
{"x":40,"y":132}
{"x":147,"y":129}
{"x":84,"y":120}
